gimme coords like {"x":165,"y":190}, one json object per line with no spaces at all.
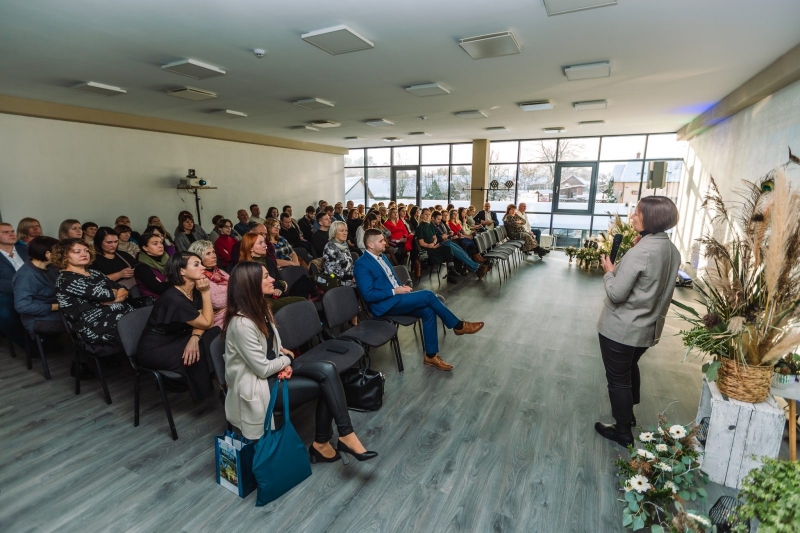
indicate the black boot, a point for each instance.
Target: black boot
{"x":622,"y":436}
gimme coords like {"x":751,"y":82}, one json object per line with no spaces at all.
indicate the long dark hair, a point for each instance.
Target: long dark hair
{"x":368,"y":220}
{"x":246,"y":299}
{"x":174,"y":266}
{"x":101,"y":234}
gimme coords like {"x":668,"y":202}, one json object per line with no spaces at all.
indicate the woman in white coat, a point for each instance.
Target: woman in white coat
{"x":253,"y":354}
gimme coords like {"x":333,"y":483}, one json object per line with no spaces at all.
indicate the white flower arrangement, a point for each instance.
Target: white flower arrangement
{"x":644,"y":453}
{"x":661,"y":448}
{"x":639,"y":483}
{"x":663,"y":466}
{"x":677,"y":431}
{"x":671,"y":486}
{"x":702,"y":520}
{"x":646,"y":436}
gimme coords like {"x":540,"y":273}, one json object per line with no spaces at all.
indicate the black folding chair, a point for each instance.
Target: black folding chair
{"x":341,"y":305}
{"x":35,"y":342}
{"x":429,"y":262}
{"x":404,"y":277}
{"x":130,"y":328}
{"x":292,"y":273}
{"x":96,"y":353}
{"x":302,"y":253}
{"x":494,"y":257}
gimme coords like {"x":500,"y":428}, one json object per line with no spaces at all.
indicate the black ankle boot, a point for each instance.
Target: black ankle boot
{"x":622,"y":436}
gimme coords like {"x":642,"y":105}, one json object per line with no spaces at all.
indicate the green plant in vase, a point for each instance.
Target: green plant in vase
{"x":771,"y":494}
{"x":570,"y":251}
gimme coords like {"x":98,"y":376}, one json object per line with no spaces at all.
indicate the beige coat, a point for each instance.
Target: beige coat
{"x":639,"y":292}
{"x":246,"y":371}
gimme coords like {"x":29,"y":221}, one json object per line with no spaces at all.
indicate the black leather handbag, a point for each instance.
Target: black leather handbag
{"x":363,"y":389}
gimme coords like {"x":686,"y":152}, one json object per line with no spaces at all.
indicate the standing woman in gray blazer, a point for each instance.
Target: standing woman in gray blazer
{"x":638,"y":293}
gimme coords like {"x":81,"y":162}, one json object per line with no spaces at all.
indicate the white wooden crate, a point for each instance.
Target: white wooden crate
{"x":739,"y":434}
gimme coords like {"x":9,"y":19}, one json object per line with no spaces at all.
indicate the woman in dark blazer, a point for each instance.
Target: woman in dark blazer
{"x":638,"y":293}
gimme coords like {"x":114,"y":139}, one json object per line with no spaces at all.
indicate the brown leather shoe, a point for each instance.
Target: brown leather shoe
{"x":417,"y":266}
{"x":477,"y":258}
{"x":482,"y":270}
{"x":437,"y":362}
{"x":469,"y":328}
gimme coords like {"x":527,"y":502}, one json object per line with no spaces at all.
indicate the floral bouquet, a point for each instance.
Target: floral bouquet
{"x":615,"y":227}
{"x":570,"y":251}
{"x":661,"y":478}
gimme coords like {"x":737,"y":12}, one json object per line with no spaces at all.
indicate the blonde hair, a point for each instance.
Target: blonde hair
{"x":24,"y":226}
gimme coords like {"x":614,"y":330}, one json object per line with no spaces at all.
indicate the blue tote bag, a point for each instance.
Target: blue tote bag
{"x":281,"y":460}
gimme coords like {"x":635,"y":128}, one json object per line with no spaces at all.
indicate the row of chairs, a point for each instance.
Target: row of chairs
{"x":496,"y":247}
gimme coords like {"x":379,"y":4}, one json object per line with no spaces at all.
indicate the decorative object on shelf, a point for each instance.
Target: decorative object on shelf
{"x":494,"y":184}
{"x":771,"y":494}
{"x":570,"y":251}
{"x":661,"y":479}
{"x":750,"y":287}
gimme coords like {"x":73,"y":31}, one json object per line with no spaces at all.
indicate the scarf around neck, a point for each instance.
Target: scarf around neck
{"x":157,"y":263}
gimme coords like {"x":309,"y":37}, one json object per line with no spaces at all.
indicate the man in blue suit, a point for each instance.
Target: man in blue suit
{"x":12,"y":256}
{"x":379,"y":287}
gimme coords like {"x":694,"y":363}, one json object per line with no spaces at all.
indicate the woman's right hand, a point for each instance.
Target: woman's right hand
{"x":126,"y":273}
{"x":286,"y":373}
{"x":202,"y":285}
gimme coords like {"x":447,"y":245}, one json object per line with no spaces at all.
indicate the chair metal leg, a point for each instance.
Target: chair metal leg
{"x":11,"y":349}
{"x":136,"y":390}
{"x":102,"y":380}
{"x":77,"y":364}
{"x":164,"y":398}
{"x":398,"y":356}
{"x":45,"y":366}
{"x":28,"y":349}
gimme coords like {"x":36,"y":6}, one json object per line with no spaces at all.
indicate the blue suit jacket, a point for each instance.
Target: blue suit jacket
{"x":7,"y":269}
{"x":375,"y":287}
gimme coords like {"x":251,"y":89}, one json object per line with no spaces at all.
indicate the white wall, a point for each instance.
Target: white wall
{"x":53,"y":170}
{"x":744,"y":147}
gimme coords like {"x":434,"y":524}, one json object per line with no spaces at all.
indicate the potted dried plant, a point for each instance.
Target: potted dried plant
{"x":617,"y":226}
{"x":750,"y":288}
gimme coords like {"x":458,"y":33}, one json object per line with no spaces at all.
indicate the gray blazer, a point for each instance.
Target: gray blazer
{"x":639,"y":291}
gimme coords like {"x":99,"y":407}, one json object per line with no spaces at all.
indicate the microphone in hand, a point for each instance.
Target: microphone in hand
{"x":615,"y":248}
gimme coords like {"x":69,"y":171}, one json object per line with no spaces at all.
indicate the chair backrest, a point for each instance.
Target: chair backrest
{"x":302,"y":253}
{"x":402,"y":274}
{"x":480,"y":242}
{"x":130,"y":328}
{"x":498,"y":234}
{"x":297,"y":323}
{"x":355,"y":256}
{"x":217,"y":357}
{"x":502,"y":233}
{"x":291,"y":274}
{"x":341,"y":305}
{"x":134,"y":292}
{"x":491,"y":239}
{"x":313,"y":271}
{"x":367,"y":308}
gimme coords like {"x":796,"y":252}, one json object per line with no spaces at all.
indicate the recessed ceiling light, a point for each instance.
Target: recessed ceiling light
{"x":307,"y":128}
{"x":427,"y":89}
{"x":419,"y":133}
{"x":354,"y":139}
{"x":590,"y":104}
{"x":587,"y":71}
{"x":192,"y":93}
{"x":471,"y":114}
{"x":491,"y":45}
{"x":337,"y":40}
{"x":194,"y":69}
{"x":392,"y":139}
{"x":230,"y":113}
{"x":379,"y":122}
{"x":497,"y":128}
{"x":325,"y":124}
{"x":592,"y":123}
{"x":536,"y":106}
{"x":555,"y":129}
{"x":98,"y":88}
{"x":559,"y":7}
{"x":313,"y":103}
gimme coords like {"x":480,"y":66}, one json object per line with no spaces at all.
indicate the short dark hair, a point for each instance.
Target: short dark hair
{"x":658,"y":213}
{"x":436,"y":214}
{"x":39,"y":246}
{"x":152,"y":229}
{"x":252,"y":206}
{"x":328,"y":208}
{"x":310,"y":209}
{"x":371,"y":234}
{"x":101,"y":234}
{"x":119,"y":229}
{"x":222,"y":221}
{"x":320,"y":215}
{"x":286,"y":207}
{"x":216,"y":219}
{"x":175,"y":264}
{"x":87,"y":225}
{"x":146,"y":237}
{"x":285,"y":215}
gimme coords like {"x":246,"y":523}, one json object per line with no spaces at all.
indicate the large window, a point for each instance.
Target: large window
{"x":527,"y":171}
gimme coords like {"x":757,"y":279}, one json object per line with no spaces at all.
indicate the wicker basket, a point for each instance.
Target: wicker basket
{"x":744,"y":383}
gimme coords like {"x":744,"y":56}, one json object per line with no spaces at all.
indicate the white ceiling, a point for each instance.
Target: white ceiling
{"x":670,"y":61}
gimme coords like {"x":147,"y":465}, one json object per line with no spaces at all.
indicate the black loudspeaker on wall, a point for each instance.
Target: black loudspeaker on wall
{"x":657,"y":175}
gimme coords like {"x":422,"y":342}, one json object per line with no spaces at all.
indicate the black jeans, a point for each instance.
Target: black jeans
{"x":622,"y":373}
{"x":324,"y":382}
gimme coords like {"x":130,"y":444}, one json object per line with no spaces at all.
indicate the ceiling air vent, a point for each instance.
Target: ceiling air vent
{"x":471,"y":114}
{"x":491,"y":45}
{"x":98,"y":88}
{"x":427,"y":89}
{"x":312,"y":103}
{"x":193,"y":69}
{"x":325,"y":124}
{"x":192,"y":93}
{"x":379,"y":122}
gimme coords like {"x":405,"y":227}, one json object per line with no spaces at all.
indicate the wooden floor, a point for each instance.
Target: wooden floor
{"x":503,"y":443}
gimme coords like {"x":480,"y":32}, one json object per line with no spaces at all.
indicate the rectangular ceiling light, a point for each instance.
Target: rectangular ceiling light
{"x":313,"y":103}
{"x":192,"y":93}
{"x":392,"y":139}
{"x":306,"y":128}
{"x":419,"y":134}
{"x":354,"y":139}
{"x":230,"y":113}
{"x":194,"y":69}
{"x":536,"y":106}
{"x":471,"y":114}
{"x":427,"y":89}
{"x":587,"y":71}
{"x":590,"y":104}
{"x":491,"y":45}
{"x":337,"y":40}
{"x":556,"y":129}
{"x":325,"y":124}
{"x":497,"y":128}
{"x":379,"y":122}
{"x":592,"y":123}
{"x":559,"y":7}
{"x":98,"y":88}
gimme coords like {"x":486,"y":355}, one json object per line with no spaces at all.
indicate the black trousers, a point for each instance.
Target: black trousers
{"x":312,"y":379}
{"x":622,"y":374}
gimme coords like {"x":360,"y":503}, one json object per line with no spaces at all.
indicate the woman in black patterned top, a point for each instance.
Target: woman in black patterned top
{"x":284,"y":253}
{"x":336,"y":255}
{"x":91,"y":302}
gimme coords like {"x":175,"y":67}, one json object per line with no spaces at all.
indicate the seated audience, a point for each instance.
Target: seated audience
{"x":444,"y":236}
{"x":370,"y":221}
{"x":381,"y":289}
{"x":320,"y":237}
{"x":536,"y":232}
{"x":253,"y":354}
{"x":515,"y":227}
{"x":117,"y":265}
{"x":399,"y":236}
{"x":361,"y":212}
{"x":255,"y":214}
{"x":254,"y":248}
{"x":188,"y":232}
{"x":213,"y":234}
{"x":337,"y":258}
{"x":487,"y":218}
{"x":27,"y":229}
{"x":169,"y":240}
{"x":169,"y":249}
{"x":217,"y":277}
{"x":13,"y":256}
{"x":122,"y":220}
{"x":284,"y":254}
{"x":150,"y":273}
{"x":413,"y":218}
{"x":125,"y":243}
{"x":474,"y":226}
{"x":460,"y":237}
{"x":224,"y":244}
{"x":272,"y":212}
{"x":292,"y":234}
{"x":353,"y":223}
{"x":430,"y":245}
{"x":243,"y":226}
{"x":306,"y":224}
{"x":338,"y":212}
{"x":35,"y":289}
{"x":322,"y":205}
{"x":89,"y":231}
{"x":384,"y":214}
{"x":70,"y":229}
{"x":91,"y":302}
{"x":181,"y":327}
